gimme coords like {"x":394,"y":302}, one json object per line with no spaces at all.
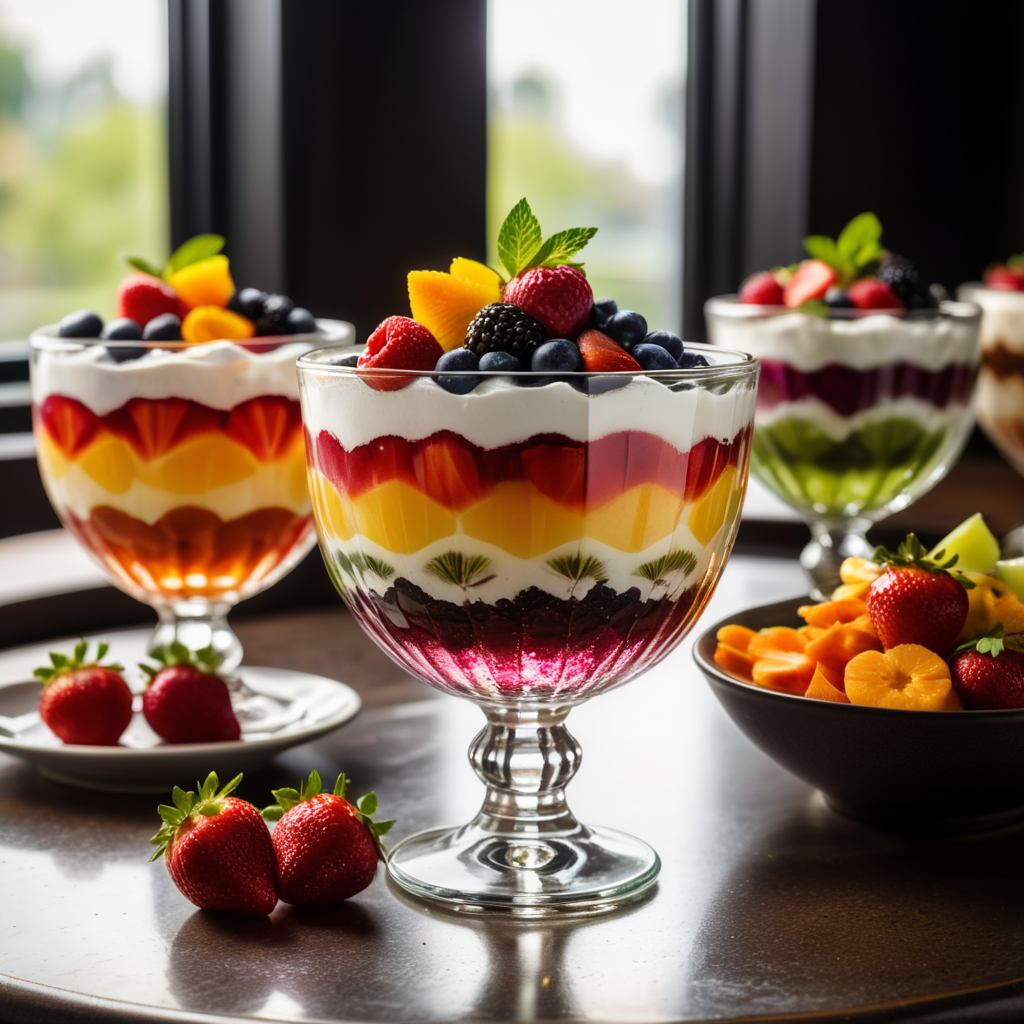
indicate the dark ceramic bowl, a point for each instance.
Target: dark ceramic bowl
{"x":944,"y":771}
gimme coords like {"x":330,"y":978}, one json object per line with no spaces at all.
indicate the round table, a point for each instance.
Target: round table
{"x":769,"y":905}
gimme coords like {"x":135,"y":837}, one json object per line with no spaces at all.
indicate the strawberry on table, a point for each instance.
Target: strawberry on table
{"x":916,"y":601}
{"x":84,"y":702}
{"x":326,"y":849}
{"x":186,"y":701}
{"x":988,"y":673}
{"x":217,"y":849}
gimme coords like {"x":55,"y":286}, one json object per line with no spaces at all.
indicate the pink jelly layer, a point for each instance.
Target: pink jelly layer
{"x":533,"y":646}
{"x":849,"y":391}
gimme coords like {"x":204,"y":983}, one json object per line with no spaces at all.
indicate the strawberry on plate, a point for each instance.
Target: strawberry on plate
{"x":916,"y":601}
{"x":186,"y":701}
{"x":326,"y":849}
{"x":988,"y":674}
{"x":399,"y":343}
{"x":84,"y":702}
{"x":217,"y":849}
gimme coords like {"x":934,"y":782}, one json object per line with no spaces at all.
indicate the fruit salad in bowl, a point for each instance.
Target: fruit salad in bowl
{"x":526,"y":497}
{"x":867,"y":382}
{"x":1001,"y":383}
{"x":911,"y":669}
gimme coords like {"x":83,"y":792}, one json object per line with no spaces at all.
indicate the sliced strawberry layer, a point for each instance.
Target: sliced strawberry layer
{"x":267,"y":426}
{"x":578,"y":475}
{"x":153,"y":426}
{"x":70,"y":424}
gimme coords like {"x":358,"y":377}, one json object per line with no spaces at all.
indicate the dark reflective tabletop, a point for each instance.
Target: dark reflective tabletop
{"x":768,"y":905}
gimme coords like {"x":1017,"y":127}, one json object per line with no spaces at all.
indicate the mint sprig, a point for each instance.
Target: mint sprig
{"x":850,"y":255}
{"x":199,"y":247}
{"x":364,"y":807}
{"x":521,"y":244}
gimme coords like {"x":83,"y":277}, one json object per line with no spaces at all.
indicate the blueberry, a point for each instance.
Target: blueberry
{"x":626,"y":327}
{"x":601,"y":311}
{"x":672,"y":343}
{"x":124,"y":353}
{"x":350,"y":360}
{"x":459,"y":359}
{"x":248,"y":302}
{"x":274,"y":315}
{"x":83,"y":323}
{"x":300,"y":321}
{"x":690,"y":360}
{"x":500,"y":362}
{"x":836,"y":298}
{"x":654,"y":357}
{"x":122,"y":329}
{"x":165,"y":327}
{"x":558,"y":356}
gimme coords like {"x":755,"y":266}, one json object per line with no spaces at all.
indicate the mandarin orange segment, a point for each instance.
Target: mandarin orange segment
{"x":789,"y":671}
{"x":445,"y":304}
{"x":735,"y":661}
{"x":211,"y":323}
{"x":907,"y":677}
{"x":839,"y":645}
{"x":776,"y":640}
{"x":204,"y":283}
{"x":736,"y":636}
{"x":859,"y":570}
{"x":829,"y":612}
{"x":823,"y":687}
{"x":851,"y":591}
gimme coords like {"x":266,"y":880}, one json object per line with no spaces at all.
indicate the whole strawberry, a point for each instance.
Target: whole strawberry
{"x":916,"y":601}
{"x":217,"y":849}
{"x":186,"y":701}
{"x":559,"y":297}
{"x":141,"y":297}
{"x":988,"y":673}
{"x":326,"y":849}
{"x":85,"y":703}
{"x":399,"y":344}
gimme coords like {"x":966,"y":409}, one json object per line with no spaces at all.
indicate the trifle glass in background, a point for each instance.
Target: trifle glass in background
{"x":527,"y":545}
{"x":180,"y":468}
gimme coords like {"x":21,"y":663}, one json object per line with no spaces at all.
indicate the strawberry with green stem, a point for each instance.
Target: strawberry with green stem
{"x":186,"y":701}
{"x":326,"y":848}
{"x":988,"y":674}
{"x":916,"y":600}
{"x":217,"y":849}
{"x":84,"y":702}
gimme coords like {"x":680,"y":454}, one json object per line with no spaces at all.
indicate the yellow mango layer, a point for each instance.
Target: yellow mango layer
{"x":517,"y":518}
{"x":717,"y":505}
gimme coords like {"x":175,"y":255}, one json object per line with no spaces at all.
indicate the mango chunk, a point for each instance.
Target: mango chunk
{"x":823,"y":686}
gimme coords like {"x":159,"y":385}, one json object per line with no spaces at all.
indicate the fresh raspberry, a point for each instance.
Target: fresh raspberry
{"x":142,"y":297}
{"x":399,"y":344}
{"x":559,"y":297}
{"x":761,"y":290}
{"x":870,"y":293}
{"x":1005,"y":279}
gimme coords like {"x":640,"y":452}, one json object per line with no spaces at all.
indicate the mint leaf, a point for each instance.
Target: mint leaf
{"x":861,"y":240}
{"x":562,"y":246}
{"x":144,"y":265}
{"x":821,"y":247}
{"x":195,"y":249}
{"x":519,"y":239}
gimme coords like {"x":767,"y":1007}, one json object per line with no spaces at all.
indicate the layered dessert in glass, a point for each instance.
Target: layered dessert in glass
{"x":867,"y":386}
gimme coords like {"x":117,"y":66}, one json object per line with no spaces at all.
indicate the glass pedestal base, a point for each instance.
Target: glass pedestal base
{"x":586,"y":870}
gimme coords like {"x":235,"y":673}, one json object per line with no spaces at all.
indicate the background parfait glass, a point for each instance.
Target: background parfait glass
{"x":527,"y":544}
{"x":180,"y":468}
{"x":859,"y":413}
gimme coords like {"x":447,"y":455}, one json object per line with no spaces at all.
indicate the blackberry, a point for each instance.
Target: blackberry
{"x":502,"y":327}
{"x":906,"y":283}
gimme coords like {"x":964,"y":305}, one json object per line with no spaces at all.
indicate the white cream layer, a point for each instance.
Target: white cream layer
{"x":809,"y":343}
{"x":220,"y":375}
{"x":513,"y":575}
{"x":1003,"y":320}
{"x":499,"y":412}
{"x":838,"y":428}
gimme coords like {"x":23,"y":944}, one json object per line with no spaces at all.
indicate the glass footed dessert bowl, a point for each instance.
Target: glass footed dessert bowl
{"x":180,"y":468}
{"x":527,"y":546}
{"x":859,"y":412}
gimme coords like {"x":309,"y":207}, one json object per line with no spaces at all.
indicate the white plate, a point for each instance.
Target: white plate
{"x":143,"y":764}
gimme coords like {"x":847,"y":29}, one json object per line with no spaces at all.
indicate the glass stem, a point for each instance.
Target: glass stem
{"x":525,"y":757}
{"x":833,"y":541}
{"x":198,"y":624}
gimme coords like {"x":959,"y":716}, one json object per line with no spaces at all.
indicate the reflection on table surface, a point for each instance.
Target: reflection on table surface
{"x":767,"y":904}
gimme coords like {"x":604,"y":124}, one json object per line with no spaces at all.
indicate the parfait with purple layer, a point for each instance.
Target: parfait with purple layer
{"x":867,"y":384}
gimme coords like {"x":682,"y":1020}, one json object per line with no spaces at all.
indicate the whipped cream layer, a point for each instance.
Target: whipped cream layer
{"x":1003,"y":319}
{"x":809,"y":342}
{"x":219,"y":375}
{"x":500,"y":412}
